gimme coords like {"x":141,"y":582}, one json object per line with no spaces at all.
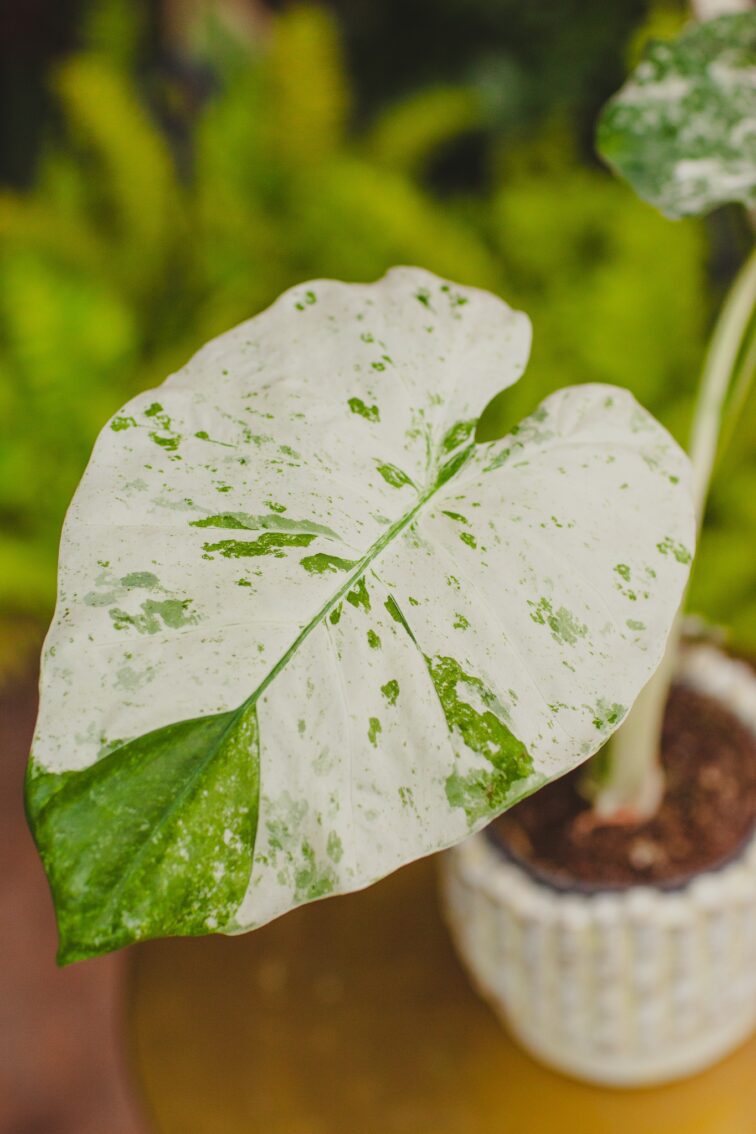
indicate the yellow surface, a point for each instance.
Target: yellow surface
{"x":352,"y":1016}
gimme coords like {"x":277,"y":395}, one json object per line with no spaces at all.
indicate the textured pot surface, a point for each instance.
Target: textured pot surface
{"x":629,"y":987}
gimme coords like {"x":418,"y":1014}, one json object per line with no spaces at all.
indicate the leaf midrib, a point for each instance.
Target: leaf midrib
{"x":459,"y":459}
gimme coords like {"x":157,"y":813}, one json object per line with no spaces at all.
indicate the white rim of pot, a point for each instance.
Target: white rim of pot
{"x":623,"y":987}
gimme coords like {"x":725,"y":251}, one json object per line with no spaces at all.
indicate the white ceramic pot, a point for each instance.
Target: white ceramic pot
{"x":626,"y":987}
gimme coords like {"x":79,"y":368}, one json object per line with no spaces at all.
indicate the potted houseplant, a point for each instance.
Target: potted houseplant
{"x":308,"y":629}
{"x":612,"y":923}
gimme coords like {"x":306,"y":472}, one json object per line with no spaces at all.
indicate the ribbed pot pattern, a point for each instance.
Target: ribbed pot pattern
{"x":628,"y":987}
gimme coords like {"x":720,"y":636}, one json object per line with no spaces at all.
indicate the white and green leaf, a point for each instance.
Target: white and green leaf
{"x":682,"y":130}
{"x":308,"y":630}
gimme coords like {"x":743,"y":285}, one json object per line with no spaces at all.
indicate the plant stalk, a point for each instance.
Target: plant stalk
{"x":631,"y":787}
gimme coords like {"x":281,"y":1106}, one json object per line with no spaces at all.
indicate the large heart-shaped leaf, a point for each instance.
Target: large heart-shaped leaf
{"x":309,"y":630}
{"x":682,"y":130}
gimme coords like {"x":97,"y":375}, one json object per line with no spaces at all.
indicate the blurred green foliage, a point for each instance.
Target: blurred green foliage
{"x":520,"y":56}
{"x":115,"y":268}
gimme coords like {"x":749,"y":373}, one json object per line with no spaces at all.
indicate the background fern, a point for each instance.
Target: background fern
{"x":136,"y":243}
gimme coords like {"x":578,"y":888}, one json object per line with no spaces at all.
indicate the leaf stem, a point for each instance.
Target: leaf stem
{"x":631,"y":785}
{"x":720,"y":366}
{"x":360,"y":567}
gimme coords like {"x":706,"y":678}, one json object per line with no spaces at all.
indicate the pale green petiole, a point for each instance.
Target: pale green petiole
{"x":628,"y":783}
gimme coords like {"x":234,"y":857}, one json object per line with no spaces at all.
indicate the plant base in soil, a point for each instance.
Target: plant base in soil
{"x":707,"y":814}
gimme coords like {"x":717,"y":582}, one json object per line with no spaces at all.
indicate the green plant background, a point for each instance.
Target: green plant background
{"x":136,"y":243}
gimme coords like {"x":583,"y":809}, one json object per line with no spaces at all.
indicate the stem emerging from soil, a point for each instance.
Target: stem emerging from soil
{"x":628,"y":784}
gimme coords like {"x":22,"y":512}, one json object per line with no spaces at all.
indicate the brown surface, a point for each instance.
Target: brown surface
{"x":347,"y":1016}
{"x":707,"y":814}
{"x":61,"y":1063}
{"x":352,"y":1016}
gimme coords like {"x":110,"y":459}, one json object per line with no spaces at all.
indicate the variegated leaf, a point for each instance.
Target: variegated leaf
{"x":682,"y":130}
{"x":308,"y":630}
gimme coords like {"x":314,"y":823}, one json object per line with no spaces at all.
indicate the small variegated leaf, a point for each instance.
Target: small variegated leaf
{"x":308,"y":630}
{"x":682,"y":130}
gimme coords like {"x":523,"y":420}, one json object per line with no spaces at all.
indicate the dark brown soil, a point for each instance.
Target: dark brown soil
{"x":707,"y":814}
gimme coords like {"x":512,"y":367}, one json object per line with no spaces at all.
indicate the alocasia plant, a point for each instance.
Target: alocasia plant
{"x":309,"y":629}
{"x":683,"y":132}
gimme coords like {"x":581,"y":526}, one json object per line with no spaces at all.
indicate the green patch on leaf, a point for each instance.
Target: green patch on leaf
{"x":394,"y":476}
{"x":322,"y":562}
{"x":334,"y":847}
{"x":170,"y":443}
{"x":136,"y":579}
{"x":457,"y":435}
{"x":407,"y":797}
{"x":358,"y":597}
{"x":272,"y":543}
{"x":312,"y":880}
{"x":564,"y":626}
{"x":170,"y":614}
{"x":483,"y":730}
{"x":153,"y":840}
{"x":674,"y":547}
{"x":481,"y":794}
{"x":167,"y":437}
{"x":608,"y":716}
{"x":370,"y":413}
{"x":244,"y":521}
{"x":374,"y":730}
{"x":391,"y":691}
